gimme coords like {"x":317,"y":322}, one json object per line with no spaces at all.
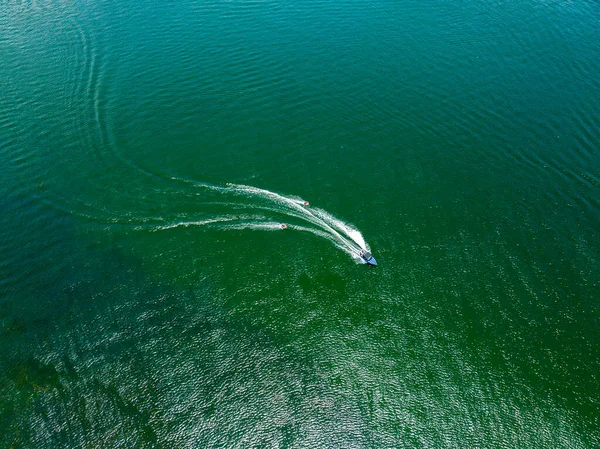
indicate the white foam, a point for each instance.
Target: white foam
{"x":194,"y":223}
{"x":341,"y":234}
{"x":265,"y":226}
{"x":315,"y":216}
{"x":270,"y":226}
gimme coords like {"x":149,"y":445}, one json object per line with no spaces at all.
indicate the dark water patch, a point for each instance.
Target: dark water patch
{"x":33,"y":375}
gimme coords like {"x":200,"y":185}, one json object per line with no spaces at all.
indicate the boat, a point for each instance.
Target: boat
{"x":283,"y":226}
{"x":367,"y":258}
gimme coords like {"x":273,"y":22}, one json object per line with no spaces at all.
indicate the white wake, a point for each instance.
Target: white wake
{"x":278,"y":209}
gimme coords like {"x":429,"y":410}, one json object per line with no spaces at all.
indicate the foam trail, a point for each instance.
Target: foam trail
{"x":269,"y":226}
{"x":319,"y":218}
{"x":351,"y":232}
{"x":194,"y":223}
{"x":346,"y":248}
{"x":340,"y":233}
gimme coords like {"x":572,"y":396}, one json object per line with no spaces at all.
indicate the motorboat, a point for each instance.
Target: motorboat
{"x":367,"y":258}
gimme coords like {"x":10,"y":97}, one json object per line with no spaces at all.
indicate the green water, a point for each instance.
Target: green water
{"x":148,"y":300}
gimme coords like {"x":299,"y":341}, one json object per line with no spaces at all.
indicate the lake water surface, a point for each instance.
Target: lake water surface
{"x":151,"y":151}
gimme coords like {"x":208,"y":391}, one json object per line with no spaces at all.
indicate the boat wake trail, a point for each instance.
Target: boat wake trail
{"x":277,"y":211}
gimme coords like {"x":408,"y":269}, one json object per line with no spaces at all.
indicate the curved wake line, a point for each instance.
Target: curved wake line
{"x":270,"y":226}
{"x":187,"y":224}
{"x":342,"y":234}
{"x":296,"y":206}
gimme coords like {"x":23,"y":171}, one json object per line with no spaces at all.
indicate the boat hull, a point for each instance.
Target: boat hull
{"x":370,"y":261}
